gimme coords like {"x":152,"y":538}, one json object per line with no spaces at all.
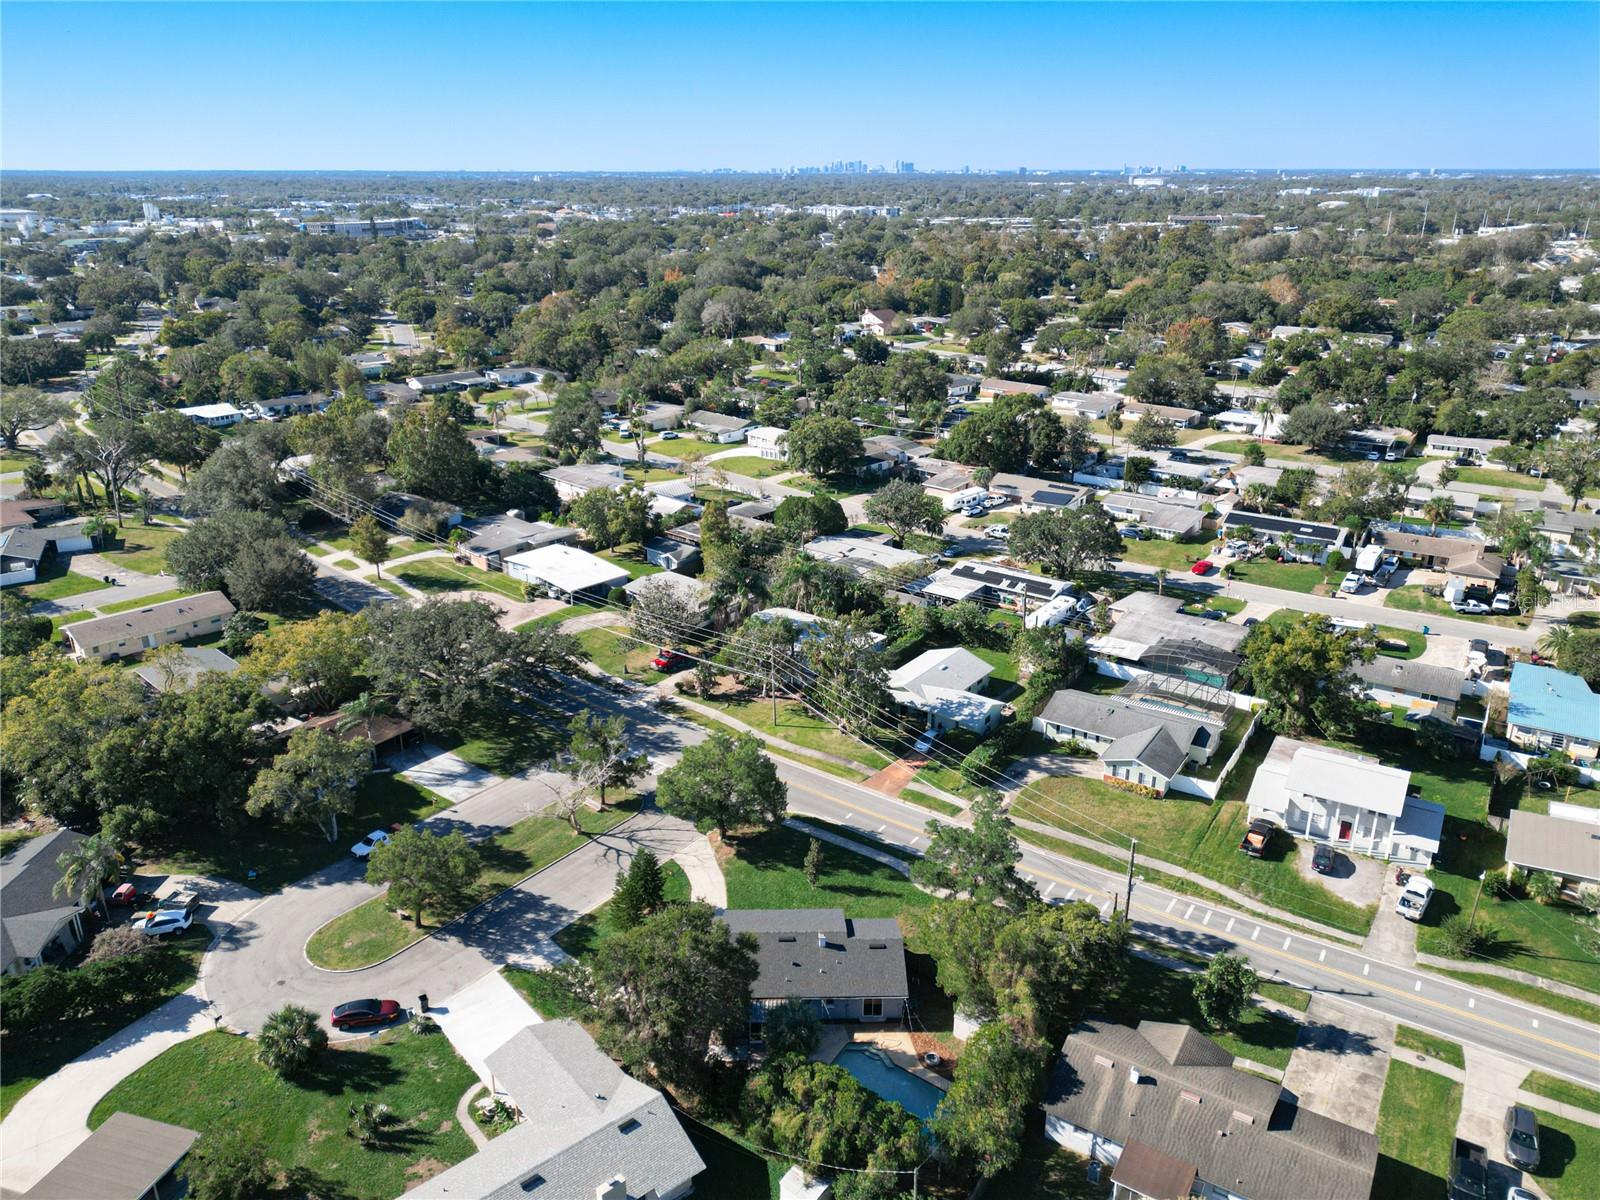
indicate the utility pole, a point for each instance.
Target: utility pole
{"x":1473,"y":920}
{"x":1127,"y":903}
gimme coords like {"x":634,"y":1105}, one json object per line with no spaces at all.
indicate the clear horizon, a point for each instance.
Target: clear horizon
{"x":668,"y":88}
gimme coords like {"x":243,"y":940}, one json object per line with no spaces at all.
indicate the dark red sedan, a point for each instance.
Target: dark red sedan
{"x":359,"y":1013}
{"x":667,"y":660}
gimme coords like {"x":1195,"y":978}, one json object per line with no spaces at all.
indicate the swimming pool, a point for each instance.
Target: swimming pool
{"x":877,"y":1074}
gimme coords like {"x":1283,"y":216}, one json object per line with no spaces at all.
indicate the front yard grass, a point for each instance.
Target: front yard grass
{"x":1407,"y":1038}
{"x":507,"y":741}
{"x":617,"y":653}
{"x":141,"y":547}
{"x":372,"y":931}
{"x":631,"y":559}
{"x":586,"y":935}
{"x":1411,"y":598}
{"x":1489,"y":477}
{"x":1306,"y":578}
{"x":1569,"y":1158}
{"x":265,"y":856}
{"x":562,"y":614}
{"x":797,"y":724}
{"x":54,"y":582}
{"x":766,"y":870}
{"x":751,"y":465}
{"x":214,"y":1081}
{"x":1158,"y":552}
{"x":434,"y":576}
{"x":1416,"y":1129}
{"x":26,"y":1061}
{"x":144,"y":601}
{"x":1562,"y":1090}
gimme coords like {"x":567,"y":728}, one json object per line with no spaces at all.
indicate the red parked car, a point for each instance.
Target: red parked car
{"x":1203,"y":567}
{"x":359,"y":1013}
{"x":667,"y":660}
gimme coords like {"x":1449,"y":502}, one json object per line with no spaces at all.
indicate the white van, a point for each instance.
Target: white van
{"x":1414,"y":895}
{"x":966,"y":497}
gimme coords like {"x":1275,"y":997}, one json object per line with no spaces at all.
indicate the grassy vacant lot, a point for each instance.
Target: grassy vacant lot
{"x":1188,"y":832}
{"x":615,"y":653}
{"x":1411,"y":598}
{"x":1569,"y":1158}
{"x":798,"y":724}
{"x":507,"y":741}
{"x":1156,"y":552}
{"x":1492,"y":478}
{"x":265,"y":856}
{"x":372,"y":931}
{"x":751,"y":465}
{"x":766,"y":870}
{"x":54,"y":581}
{"x":1306,"y":578}
{"x":1416,"y":1128}
{"x":1562,"y":1090}
{"x":1407,"y":1038}
{"x":214,"y":1081}
{"x":442,"y":575}
{"x":141,"y":547}
{"x":26,"y":1061}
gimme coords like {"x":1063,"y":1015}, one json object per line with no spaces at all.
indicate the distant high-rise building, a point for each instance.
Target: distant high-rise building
{"x":152,"y":213}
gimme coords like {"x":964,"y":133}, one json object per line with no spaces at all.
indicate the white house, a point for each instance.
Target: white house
{"x":566,"y":572}
{"x":717,"y":427}
{"x":1138,"y":741}
{"x":218,"y":416}
{"x":1164,"y":518}
{"x":768,"y":441}
{"x":508,"y":375}
{"x":1095,"y":406}
{"x":444,"y":381}
{"x":861,"y":554}
{"x":877,"y":321}
{"x":1449,"y":445}
{"x":579,"y":480}
{"x":945,"y":685}
{"x":1348,"y":800}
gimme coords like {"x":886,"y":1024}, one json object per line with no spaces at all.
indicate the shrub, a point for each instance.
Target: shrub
{"x":290,"y":1040}
{"x":118,"y":941}
{"x":792,"y":1028}
{"x":1505,"y":883}
{"x":1461,"y":940}
{"x":228,"y":1163}
{"x":1543,"y":887}
{"x":1589,"y":897}
{"x":617,"y":597}
{"x":1224,"y":990}
{"x":979,"y":766}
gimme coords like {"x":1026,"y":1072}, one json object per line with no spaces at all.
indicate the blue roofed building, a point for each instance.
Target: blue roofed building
{"x":1552,"y":710}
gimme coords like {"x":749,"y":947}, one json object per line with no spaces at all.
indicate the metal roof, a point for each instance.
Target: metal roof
{"x":122,"y":1160}
{"x":1553,"y":701}
{"x":1563,"y":847}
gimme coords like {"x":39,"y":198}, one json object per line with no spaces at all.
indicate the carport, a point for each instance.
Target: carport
{"x":127,"y":1158}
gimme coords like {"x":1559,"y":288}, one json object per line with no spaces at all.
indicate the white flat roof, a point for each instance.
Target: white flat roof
{"x":567,"y":568}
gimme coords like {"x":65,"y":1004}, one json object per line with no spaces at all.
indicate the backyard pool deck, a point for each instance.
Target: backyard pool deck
{"x":895,"y":1044}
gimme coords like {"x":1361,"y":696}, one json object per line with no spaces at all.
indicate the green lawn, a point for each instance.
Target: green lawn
{"x":443,"y":575}
{"x":1047,"y":1171}
{"x":1306,"y":578}
{"x":1156,"y":552}
{"x":767,"y":871}
{"x":1411,"y":598}
{"x":1407,"y":1038}
{"x":10,"y":839}
{"x":16,"y":460}
{"x":214,"y":1080}
{"x":563,"y":614}
{"x":372,"y":931}
{"x":1416,"y":1129}
{"x":347,"y":564}
{"x":1153,"y":992}
{"x":143,"y":602}
{"x":1562,"y":1090}
{"x":60,"y":619}
{"x":507,"y":742}
{"x":751,"y":465}
{"x":142,"y":547}
{"x":1226,"y":605}
{"x":798,"y":724}
{"x":549,"y":1000}
{"x":585,"y":935}
{"x":1569,"y":1158}
{"x":279,"y":855}
{"x":631,"y":559}
{"x":26,"y":1061}
{"x":923,"y":800}
{"x":1189,"y":832}
{"x":651,"y":474}
{"x":1490,"y":477}
{"x":1303,"y":456}
{"x":620,"y":655}
{"x":681,"y":446}
{"x":54,"y":581}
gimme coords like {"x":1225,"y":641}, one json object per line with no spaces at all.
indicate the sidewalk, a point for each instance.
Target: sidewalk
{"x":893,"y":862}
{"x":699,"y":863}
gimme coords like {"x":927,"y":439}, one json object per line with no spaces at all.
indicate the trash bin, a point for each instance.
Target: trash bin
{"x":1424,"y":631}
{"x":422,"y":1002}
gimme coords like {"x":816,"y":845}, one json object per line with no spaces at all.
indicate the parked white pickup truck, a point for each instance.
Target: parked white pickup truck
{"x":1414,"y":895}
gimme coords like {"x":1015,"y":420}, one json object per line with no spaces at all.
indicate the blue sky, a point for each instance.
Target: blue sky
{"x":676,"y":85}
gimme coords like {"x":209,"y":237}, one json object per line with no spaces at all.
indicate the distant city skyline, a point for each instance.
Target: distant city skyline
{"x":741,"y":87}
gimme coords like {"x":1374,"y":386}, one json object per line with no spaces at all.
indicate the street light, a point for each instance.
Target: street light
{"x":1473,"y":920}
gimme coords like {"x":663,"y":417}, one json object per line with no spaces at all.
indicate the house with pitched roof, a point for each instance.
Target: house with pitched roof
{"x":844,"y":968}
{"x":1138,"y":740}
{"x":128,"y":633}
{"x":1165,"y":1108}
{"x":586,"y":1130}
{"x":1347,"y":800}
{"x":1552,"y":710}
{"x":36,"y":924}
{"x":946,"y":685}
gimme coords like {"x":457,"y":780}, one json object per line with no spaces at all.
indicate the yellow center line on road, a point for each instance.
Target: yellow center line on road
{"x":1170,"y":919}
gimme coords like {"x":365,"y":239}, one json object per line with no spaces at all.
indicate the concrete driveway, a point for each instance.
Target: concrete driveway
{"x":443,"y":772}
{"x":1340,"y":1062}
{"x":481,"y":1018}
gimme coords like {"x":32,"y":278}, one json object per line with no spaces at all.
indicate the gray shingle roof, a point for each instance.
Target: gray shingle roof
{"x":585,"y":1122}
{"x":30,"y":911}
{"x":1119,"y":719}
{"x":861,"y":958}
{"x":1238,"y":1130}
{"x":1152,"y":748}
{"x":1401,"y":675}
{"x":154,"y":619}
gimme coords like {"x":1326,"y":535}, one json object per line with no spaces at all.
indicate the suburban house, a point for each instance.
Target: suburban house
{"x":291,"y":406}
{"x":1151,"y":633}
{"x":217,"y":416}
{"x":492,"y":539}
{"x":990,"y":583}
{"x":945,"y":685}
{"x":768,"y":442}
{"x":1242,"y":420}
{"x":1184,"y":418}
{"x":861,"y":554}
{"x":371,"y":365}
{"x":845,"y":969}
{"x":1306,"y":541}
{"x":566,"y":572}
{"x":691,"y":591}
{"x":586,"y":1130}
{"x":1093,"y":406}
{"x":878,"y":321}
{"x":718,"y":427}
{"x":25,"y":514}
{"x":445,"y":381}
{"x":1421,"y":687}
{"x":1450,"y":445}
{"x":37,"y":925}
{"x":1162,"y":517}
{"x":1548,"y":710}
{"x":992,"y":388}
{"x":144,"y":629}
{"x":1138,"y":741}
{"x":960,"y":387}
{"x":1452,"y":551}
{"x":657,"y":416}
{"x":1376,"y":440}
{"x":670,"y":554}
{"x":24,"y":550}
{"x":1558,"y":524}
{"x":1032,"y":495}
{"x":1348,"y":800}
{"x":127,"y":1158}
{"x":1165,"y":1108}
{"x":808,"y":626}
{"x":579,"y":480}
{"x":179,"y":671}
{"x":509,"y":375}
{"x":1565,"y":842}
{"x":887,"y":451}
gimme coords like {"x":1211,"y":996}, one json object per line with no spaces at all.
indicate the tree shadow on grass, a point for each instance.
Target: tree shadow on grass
{"x":339,"y":1071}
{"x":1396,"y":1180}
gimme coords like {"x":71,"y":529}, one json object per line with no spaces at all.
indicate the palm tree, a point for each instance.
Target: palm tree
{"x":1114,"y":424}
{"x":1438,"y":509}
{"x":290,"y":1040}
{"x":1265,"y":407}
{"x":85,"y":868}
{"x":494,"y":408}
{"x":1161,"y":581}
{"x":1556,"y":640}
{"x":361,"y":711}
{"x":1258,"y":496}
{"x":36,"y":478}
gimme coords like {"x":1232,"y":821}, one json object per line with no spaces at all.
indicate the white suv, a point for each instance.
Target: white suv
{"x":365,"y":847}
